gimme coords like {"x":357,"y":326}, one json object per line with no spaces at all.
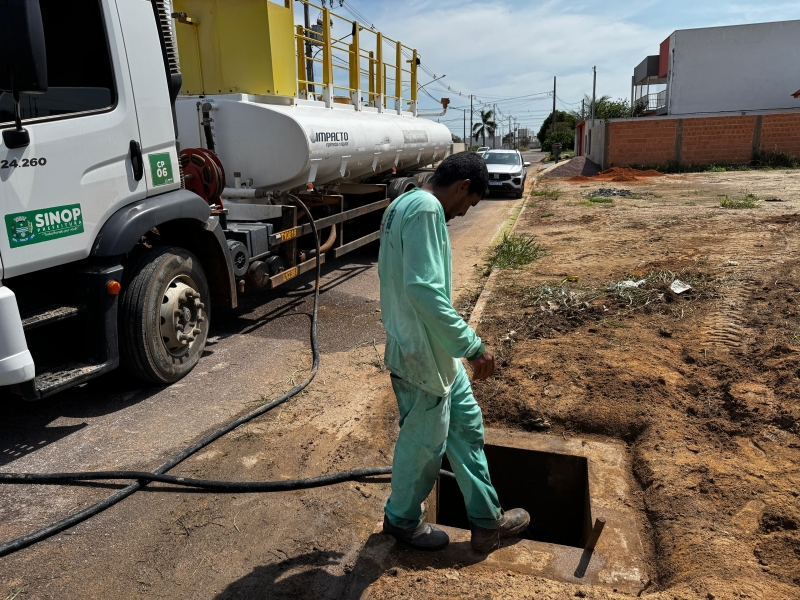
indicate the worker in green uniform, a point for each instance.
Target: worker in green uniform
{"x":425,"y":340}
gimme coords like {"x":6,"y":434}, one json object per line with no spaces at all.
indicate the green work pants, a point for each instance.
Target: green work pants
{"x":429,"y":427}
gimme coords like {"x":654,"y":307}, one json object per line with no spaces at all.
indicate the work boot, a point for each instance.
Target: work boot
{"x":424,"y":537}
{"x":485,"y":540}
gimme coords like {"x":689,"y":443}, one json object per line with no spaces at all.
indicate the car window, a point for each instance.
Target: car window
{"x":501,"y":158}
{"x":79,"y":73}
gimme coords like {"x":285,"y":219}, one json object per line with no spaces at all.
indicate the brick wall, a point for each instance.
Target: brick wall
{"x":718,"y":140}
{"x":781,"y":132}
{"x":632,"y":141}
{"x":702,"y":140}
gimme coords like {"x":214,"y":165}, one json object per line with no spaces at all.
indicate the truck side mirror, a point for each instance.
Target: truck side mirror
{"x":23,"y":59}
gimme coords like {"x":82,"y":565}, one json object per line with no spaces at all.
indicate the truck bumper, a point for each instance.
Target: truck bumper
{"x":16,"y":362}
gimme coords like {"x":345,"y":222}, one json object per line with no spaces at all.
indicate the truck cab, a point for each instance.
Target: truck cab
{"x":138,"y":197}
{"x":98,"y":171}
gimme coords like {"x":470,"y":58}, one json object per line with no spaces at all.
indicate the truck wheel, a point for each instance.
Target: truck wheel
{"x":399,"y":186}
{"x":163,"y":314}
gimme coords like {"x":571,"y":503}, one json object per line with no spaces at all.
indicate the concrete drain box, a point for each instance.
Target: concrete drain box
{"x":553,"y":488}
{"x":566,"y":484}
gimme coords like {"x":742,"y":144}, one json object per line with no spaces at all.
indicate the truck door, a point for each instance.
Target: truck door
{"x":142,"y":33}
{"x":57,"y":192}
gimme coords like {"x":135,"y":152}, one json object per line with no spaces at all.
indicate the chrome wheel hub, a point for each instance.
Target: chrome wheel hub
{"x":181,"y":315}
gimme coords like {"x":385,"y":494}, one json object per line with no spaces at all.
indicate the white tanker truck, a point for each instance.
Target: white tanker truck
{"x":137,"y":191}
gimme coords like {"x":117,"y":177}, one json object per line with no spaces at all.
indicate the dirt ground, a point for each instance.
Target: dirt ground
{"x":704,"y":386}
{"x":300,"y":544}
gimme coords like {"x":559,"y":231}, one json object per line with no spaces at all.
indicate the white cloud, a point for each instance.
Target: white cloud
{"x":499,"y":49}
{"x":504,"y":48}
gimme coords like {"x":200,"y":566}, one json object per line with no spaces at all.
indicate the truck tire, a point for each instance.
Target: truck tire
{"x":164,"y":314}
{"x":423,"y":178}
{"x":399,"y":186}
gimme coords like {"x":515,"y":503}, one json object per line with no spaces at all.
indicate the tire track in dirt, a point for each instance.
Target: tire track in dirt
{"x":725,"y":327}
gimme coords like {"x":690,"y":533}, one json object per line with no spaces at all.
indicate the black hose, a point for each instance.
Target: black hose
{"x":142,"y":478}
{"x":210,"y":485}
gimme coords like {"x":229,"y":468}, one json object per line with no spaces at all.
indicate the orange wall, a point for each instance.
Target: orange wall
{"x":703,"y":140}
{"x":718,"y":140}
{"x":631,"y":141}
{"x":781,"y":133}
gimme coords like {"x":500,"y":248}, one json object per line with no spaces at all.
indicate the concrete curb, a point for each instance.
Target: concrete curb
{"x":480,"y":305}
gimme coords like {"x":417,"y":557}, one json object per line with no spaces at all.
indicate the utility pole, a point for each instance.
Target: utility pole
{"x":583,"y":115}
{"x":471,"y":124}
{"x":633,"y":80}
{"x":594,"y":90}
{"x":510,"y":144}
{"x":465,"y":125}
{"x":494,"y":134}
{"x":554,"y":106}
{"x":309,"y":61}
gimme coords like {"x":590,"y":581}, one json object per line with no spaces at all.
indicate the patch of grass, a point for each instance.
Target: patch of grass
{"x":690,"y":203}
{"x":552,"y":193}
{"x":674,"y":167}
{"x":585,"y":203}
{"x":514,"y":250}
{"x":544,"y":216}
{"x":600,"y":199}
{"x":746,"y":201}
{"x":776,"y":160}
{"x":766,"y":159}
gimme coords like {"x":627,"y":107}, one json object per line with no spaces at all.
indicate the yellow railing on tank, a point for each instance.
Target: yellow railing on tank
{"x":350,"y":58}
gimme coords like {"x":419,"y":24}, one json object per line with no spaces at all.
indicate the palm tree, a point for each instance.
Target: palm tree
{"x":486,"y":127}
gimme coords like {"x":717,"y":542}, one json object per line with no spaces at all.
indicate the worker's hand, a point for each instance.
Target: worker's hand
{"x":483,"y":366}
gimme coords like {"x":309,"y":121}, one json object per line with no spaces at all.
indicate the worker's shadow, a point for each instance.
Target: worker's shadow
{"x":303,"y":576}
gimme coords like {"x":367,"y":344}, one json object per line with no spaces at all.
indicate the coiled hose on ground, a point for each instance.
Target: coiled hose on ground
{"x":142,"y":478}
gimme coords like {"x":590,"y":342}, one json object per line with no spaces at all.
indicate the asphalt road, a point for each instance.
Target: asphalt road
{"x":255,"y":352}
{"x":115,"y":422}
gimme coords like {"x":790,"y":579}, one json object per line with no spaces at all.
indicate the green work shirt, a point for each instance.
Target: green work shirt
{"x":425,"y":335}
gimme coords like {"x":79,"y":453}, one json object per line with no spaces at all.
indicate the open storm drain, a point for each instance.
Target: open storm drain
{"x":570,"y":486}
{"x":553,"y":488}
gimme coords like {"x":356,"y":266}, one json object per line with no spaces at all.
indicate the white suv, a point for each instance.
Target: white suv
{"x":507,"y":171}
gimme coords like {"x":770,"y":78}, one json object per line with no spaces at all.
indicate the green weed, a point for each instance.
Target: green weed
{"x":544,"y":216}
{"x":600,"y":199}
{"x":514,"y":250}
{"x":552,"y":193}
{"x":776,"y":160}
{"x":746,"y":201}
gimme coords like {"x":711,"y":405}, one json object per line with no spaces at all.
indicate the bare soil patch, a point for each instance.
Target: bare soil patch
{"x":704,"y":386}
{"x":617,"y":174}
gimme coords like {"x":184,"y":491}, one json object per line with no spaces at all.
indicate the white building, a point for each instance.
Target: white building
{"x":722,"y":69}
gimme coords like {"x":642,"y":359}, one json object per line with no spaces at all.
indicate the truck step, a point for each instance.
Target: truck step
{"x":61,"y":377}
{"x":48,"y":315}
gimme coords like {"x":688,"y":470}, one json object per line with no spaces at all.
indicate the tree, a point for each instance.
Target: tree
{"x":486,"y":127}
{"x":456,"y":139}
{"x":565,"y":122}
{"x":509,"y":139}
{"x":606,"y":108}
{"x":565,"y":138}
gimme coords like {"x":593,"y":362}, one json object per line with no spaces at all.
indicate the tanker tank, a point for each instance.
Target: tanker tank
{"x":287,"y":143}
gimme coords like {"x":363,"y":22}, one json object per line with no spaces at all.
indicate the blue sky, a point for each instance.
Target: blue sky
{"x":498,"y":49}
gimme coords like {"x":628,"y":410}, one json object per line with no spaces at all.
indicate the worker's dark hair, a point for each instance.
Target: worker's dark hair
{"x":464,"y":165}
